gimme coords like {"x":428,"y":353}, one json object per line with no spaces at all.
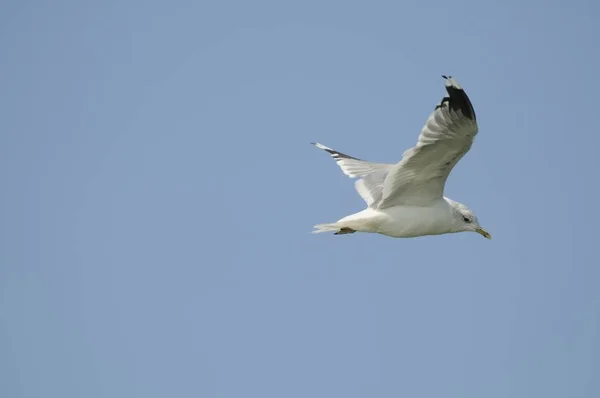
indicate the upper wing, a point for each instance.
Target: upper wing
{"x":446,"y":137}
{"x":370,"y":186}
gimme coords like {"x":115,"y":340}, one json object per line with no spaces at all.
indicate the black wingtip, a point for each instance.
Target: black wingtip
{"x":458,"y":99}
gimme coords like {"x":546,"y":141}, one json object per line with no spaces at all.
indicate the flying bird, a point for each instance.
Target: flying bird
{"x":407,"y":199}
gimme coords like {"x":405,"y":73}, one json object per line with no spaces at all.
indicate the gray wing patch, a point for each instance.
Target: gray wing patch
{"x":370,"y":185}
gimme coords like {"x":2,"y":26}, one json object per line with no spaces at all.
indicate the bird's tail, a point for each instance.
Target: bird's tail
{"x":333,"y":227}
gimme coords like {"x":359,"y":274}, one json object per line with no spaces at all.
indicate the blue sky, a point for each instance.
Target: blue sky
{"x":159,"y":190}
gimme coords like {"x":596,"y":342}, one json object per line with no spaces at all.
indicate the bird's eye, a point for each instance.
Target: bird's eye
{"x":466,"y":219}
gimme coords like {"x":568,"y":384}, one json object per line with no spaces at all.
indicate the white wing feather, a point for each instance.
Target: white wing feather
{"x":447,"y":136}
{"x":370,"y":186}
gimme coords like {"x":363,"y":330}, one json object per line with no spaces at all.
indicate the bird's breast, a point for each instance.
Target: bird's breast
{"x":412,"y":221}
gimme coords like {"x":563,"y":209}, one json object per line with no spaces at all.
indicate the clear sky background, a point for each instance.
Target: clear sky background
{"x":159,"y":189}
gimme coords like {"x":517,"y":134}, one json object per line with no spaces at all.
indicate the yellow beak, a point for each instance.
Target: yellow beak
{"x":484,"y":233}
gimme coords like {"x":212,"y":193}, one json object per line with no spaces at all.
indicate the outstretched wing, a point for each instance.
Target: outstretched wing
{"x":370,"y":186}
{"x":447,"y":136}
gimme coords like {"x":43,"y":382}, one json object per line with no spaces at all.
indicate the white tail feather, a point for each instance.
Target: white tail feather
{"x":333,"y":227}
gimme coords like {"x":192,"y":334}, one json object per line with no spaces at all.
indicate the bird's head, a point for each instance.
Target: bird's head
{"x":466,"y":220}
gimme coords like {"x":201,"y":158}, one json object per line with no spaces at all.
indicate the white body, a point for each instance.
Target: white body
{"x":400,"y":221}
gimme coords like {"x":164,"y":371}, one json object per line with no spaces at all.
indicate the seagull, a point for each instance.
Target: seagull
{"x":406,"y":199}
